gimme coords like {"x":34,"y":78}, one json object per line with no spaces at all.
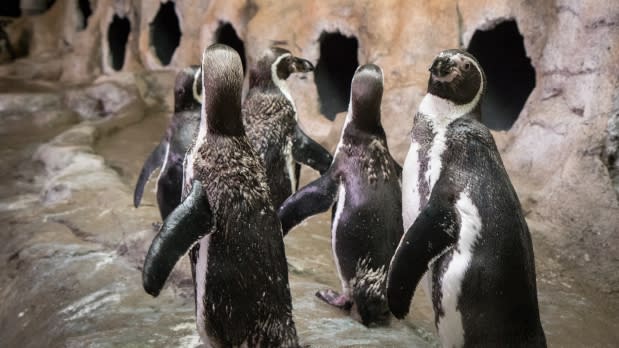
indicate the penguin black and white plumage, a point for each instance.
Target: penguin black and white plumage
{"x":270,"y":119}
{"x":364,"y":179}
{"x":227,"y":220}
{"x":463,"y":221}
{"x":170,"y":152}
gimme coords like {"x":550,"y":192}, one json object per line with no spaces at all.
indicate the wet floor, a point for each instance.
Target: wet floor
{"x":572,"y":315}
{"x":73,"y":269}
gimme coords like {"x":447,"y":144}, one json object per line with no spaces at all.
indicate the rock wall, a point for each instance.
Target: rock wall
{"x":561,"y":150}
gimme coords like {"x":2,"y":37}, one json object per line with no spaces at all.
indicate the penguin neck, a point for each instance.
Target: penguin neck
{"x":280,"y":83}
{"x":268,"y":80}
{"x":261,"y":78}
{"x":365,"y":117}
{"x":222,"y":116}
{"x":182,"y":104}
{"x":445,"y":111}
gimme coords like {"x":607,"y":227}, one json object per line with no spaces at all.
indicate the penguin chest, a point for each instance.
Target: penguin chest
{"x":450,"y":273}
{"x":422,"y":168}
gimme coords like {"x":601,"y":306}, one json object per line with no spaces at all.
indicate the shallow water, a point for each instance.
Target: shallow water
{"x":72,"y":275}
{"x":571,"y":313}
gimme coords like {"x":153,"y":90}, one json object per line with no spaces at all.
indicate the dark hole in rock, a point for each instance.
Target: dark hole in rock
{"x":165,"y":32}
{"x":49,"y":4}
{"x":511,"y":78}
{"x":226,"y":35}
{"x":334,"y":72}
{"x":117,"y":37}
{"x":611,"y":149}
{"x":85,"y":12}
{"x":7,"y":53}
{"x":10,"y":8}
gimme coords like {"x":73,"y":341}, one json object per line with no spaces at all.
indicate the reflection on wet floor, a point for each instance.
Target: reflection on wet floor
{"x":87,"y":256}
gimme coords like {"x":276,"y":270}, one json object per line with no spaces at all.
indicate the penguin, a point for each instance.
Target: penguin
{"x":270,"y":119}
{"x":226,"y":218}
{"x":170,"y":152}
{"x":364,"y":179}
{"x":464,"y":226}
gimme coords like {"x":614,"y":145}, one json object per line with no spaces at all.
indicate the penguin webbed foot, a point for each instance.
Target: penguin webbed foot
{"x":335,"y":299}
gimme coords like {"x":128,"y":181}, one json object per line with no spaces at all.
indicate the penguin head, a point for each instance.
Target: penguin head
{"x":455,"y":75}
{"x":276,"y":65}
{"x":188,"y":89}
{"x":366,"y":93}
{"x":222,"y":77}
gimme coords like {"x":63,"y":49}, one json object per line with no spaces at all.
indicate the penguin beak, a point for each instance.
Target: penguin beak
{"x":441,"y":67}
{"x":300,"y":65}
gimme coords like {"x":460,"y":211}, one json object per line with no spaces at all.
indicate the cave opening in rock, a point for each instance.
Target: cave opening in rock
{"x":334,"y":71}
{"x":10,"y":8}
{"x":49,"y":4}
{"x":511,"y":77}
{"x":165,"y":32}
{"x":117,"y":37}
{"x":226,"y":35}
{"x":85,"y":11}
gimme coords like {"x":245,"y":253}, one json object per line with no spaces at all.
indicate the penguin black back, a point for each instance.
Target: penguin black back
{"x":365,"y":181}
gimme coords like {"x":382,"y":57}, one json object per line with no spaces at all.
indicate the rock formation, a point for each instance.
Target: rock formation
{"x":552,"y":66}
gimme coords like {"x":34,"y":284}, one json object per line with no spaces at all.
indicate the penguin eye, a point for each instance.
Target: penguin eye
{"x":467,"y":66}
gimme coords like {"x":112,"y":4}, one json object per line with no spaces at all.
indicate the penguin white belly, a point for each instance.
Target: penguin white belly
{"x":201,"y":271}
{"x":411,"y":200}
{"x":290,"y":166}
{"x":450,"y":327}
{"x":435,"y":162}
{"x":341,"y":199}
{"x":410,"y":187}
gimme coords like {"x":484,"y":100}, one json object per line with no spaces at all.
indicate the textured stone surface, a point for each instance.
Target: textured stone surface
{"x":561,"y":152}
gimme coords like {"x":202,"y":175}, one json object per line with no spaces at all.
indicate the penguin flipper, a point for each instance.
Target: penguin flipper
{"x":316,"y":197}
{"x":154,"y":161}
{"x":186,"y":225}
{"x":432,"y":233}
{"x":307,"y":151}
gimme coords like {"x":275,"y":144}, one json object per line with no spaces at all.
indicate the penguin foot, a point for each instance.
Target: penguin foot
{"x":156,"y":226}
{"x":335,"y":299}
